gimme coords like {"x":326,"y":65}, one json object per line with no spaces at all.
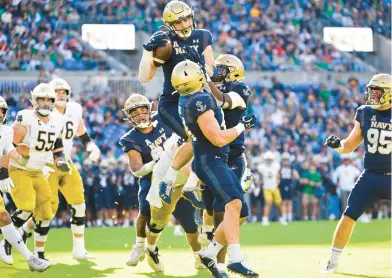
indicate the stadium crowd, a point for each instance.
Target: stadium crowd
{"x":265,"y":34}
{"x":324,"y":109}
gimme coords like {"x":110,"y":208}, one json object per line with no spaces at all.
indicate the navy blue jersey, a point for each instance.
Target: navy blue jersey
{"x":144,"y":143}
{"x":200,"y":39}
{"x":190,"y":108}
{"x":286,"y":176}
{"x":376,"y":129}
{"x":233,"y":116}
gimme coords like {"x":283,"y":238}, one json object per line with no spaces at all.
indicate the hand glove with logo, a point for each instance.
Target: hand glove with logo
{"x":248,"y":121}
{"x":158,"y":39}
{"x":94,"y":152}
{"x":46,"y":171}
{"x":194,"y":56}
{"x":6,"y":184}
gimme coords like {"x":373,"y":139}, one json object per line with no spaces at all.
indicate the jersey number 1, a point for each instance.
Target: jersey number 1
{"x":45,"y":139}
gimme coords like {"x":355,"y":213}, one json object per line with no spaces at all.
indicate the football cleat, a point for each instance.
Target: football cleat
{"x":211,"y":265}
{"x":5,"y":252}
{"x":241,"y":269}
{"x":153,"y":260}
{"x":330,"y":268}
{"x":82,"y":255}
{"x":137,"y":255}
{"x":37,"y":264}
{"x":165,"y":192}
{"x":205,"y":237}
{"x":194,"y":197}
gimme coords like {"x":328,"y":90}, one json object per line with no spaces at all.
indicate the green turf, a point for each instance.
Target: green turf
{"x":298,"y":250}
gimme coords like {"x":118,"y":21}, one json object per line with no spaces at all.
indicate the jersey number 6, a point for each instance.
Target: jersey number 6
{"x":45,"y":139}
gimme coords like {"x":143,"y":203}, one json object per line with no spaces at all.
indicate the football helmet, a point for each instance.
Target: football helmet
{"x":229,"y":68}
{"x":43,"y":90}
{"x":4,"y":106}
{"x":175,"y":12}
{"x":61,"y":84}
{"x":187,"y":78}
{"x":378,"y":90}
{"x":134,"y":101}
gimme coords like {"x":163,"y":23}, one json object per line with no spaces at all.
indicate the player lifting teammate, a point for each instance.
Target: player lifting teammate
{"x":373,"y":125}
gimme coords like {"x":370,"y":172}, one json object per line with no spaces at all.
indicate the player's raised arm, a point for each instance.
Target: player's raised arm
{"x":349,"y":144}
{"x":90,"y":146}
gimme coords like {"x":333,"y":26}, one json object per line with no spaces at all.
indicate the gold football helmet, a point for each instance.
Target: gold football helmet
{"x":378,"y":90}
{"x":229,"y":68}
{"x":61,"y":84}
{"x":175,"y":12}
{"x":187,"y":77}
{"x":4,"y":106}
{"x":43,"y":90}
{"x":141,"y":120}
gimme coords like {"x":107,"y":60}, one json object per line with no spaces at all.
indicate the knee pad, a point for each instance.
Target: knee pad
{"x":19,"y":217}
{"x":78,"y":214}
{"x":154,"y":229}
{"x":41,"y":227}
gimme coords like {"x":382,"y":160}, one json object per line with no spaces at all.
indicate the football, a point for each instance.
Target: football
{"x":162,"y":54}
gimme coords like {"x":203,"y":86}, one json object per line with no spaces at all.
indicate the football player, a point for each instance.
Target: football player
{"x":373,"y":125}
{"x":41,"y":131}
{"x":21,"y":157}
{"x":204,"y":123}
{"x":287,"y":176}
{"x":178,"y":18}
{"x":145,"y":145}
{"x":233,"y":96}
{"x":70,"y":184}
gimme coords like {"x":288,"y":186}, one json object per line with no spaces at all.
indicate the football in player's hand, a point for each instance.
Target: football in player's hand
{"x":162,"y":54}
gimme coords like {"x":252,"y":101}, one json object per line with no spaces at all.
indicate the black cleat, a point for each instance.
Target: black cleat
{"x":211,"y":265}
{"x":242,"y":270}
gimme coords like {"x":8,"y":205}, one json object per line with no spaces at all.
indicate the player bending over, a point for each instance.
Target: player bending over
{"x":373,"y":125}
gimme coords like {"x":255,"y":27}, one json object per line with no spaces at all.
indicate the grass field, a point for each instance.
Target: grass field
{"x":298,"y":250}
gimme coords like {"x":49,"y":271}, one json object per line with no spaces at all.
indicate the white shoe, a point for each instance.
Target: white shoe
{"x":265,"y":223}
{"x":203,"y":239}
{"x":153,"y":260}
{"x":282,"y":221}
{"x":198,"y":263}
{"x":5,"y":255}
{"x":330,"y":268}
{"x":177,"y":231}
{"x":137,"y":255}
{"x":254,"y":219}
{"x":39,"y":265}
{"x":82,"y":255}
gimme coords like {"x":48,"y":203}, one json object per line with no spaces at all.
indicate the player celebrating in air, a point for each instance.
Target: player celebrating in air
{"x":178,"y":17}
{"x":373,"y":125}
{"x":204,"y":123}
{"x":70,"y":184}
{"x":21,"y":157}
{"x":145,"y":144}
{"x":41,"y":131}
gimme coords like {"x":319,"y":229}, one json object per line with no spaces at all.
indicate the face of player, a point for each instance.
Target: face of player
{"x":3,"y":113}
{"x":61,"y":97}
{"x":140,"y":116}
{"x":183,"y":24}
{"x":45,"y":105}
{"x":374,"y":97}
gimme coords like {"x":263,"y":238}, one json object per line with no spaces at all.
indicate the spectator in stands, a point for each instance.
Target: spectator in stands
{"x":311,"y":179}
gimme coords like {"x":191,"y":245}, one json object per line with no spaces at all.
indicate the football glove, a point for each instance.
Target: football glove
{"x":94,"y":152}
{"x":6,"y":183}
{"x":63,"y":166}
{"x":248,"y":121}
{"x":158,"y":39}
{"x":333,"y":142}
{"x":194,"y":56}
{"x":46,"y":171}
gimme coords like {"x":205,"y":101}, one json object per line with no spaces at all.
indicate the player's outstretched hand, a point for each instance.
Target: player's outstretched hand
{"x":94,"y":152}
{"x":158,"y":39}
{"x":6,"y":183}
{"x":248,"y":121}
{"x":63,"y":166}
{"x":333,"y":142}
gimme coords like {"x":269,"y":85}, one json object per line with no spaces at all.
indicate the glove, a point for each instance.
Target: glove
{"x":63,"y":166}
{"x":192,"y":54}
{"x":248,"y":121}
{"x":46,"y":171}
{"x":333,"y":142}
{"x":6,"y":185}
{"x":158,"y":39}
{"x":94,"y":152}
{"x":156,"y":153}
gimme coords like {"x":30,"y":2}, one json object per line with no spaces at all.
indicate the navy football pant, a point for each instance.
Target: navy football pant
{"x":168,"y":112}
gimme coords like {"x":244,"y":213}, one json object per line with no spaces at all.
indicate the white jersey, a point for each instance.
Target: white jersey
{"x":269,"y":173}
{"x":72,"y":116}
{"x":40,"y":137}
{"x":6,"y":138}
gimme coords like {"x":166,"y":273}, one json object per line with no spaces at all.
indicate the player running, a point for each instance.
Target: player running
{"x":21,"y":156}
{"x":204,"y":123}
{"x":178,"y":17}
{"x":41,"y":131}
{"x":373,"y":125}
{"x":145,"y":145}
